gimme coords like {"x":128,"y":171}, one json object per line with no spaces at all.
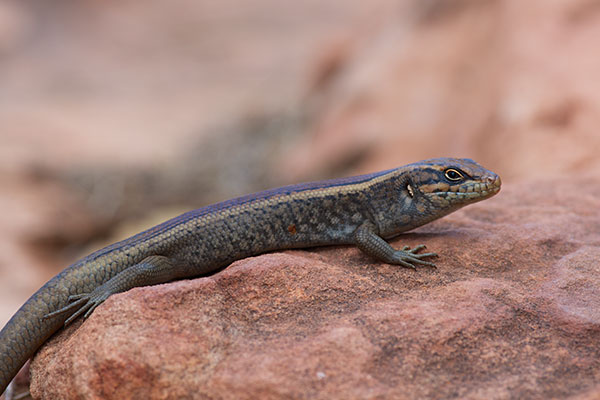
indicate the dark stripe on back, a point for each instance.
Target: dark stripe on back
{"x":285,"y":190}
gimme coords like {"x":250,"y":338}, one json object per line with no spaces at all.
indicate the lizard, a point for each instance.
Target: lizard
{"x":364,"y":211}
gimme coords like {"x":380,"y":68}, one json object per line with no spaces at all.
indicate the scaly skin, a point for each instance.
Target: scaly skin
{"x":362,"y":210}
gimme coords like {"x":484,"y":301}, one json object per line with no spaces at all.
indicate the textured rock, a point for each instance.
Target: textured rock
{"x":512,"y":311}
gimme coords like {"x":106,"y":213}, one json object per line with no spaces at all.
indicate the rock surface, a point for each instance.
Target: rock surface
{"x":511,"y":312}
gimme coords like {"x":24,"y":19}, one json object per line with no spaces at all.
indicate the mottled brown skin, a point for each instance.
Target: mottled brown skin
{"x":361,"y":210}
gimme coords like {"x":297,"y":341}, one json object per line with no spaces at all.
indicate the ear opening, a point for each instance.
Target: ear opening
{"x":410,"y":190}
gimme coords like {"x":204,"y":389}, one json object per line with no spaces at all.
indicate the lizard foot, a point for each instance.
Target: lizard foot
{"x":80,"y":304}
{"x":410,"y":258}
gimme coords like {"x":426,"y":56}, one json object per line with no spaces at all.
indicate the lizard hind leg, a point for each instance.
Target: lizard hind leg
{"x":150,"y":271}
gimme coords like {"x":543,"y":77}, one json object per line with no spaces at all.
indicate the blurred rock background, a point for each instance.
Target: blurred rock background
{"x":116,"y":115}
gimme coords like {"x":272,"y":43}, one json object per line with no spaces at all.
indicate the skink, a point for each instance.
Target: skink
{"x":362,"y":210}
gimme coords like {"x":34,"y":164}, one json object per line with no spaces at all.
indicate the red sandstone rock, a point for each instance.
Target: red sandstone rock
{"x":511,"y":311}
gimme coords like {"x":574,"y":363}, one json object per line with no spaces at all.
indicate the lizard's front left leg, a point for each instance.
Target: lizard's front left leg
{"x":367,"y":239}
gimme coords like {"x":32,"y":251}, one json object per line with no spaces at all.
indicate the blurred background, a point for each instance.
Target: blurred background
{"x":116,"y":115}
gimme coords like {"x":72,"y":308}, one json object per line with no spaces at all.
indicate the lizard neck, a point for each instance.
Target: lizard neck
{"x":397,"y":206}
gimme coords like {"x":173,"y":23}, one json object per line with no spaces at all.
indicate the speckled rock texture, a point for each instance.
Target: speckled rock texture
{"x":511,"y":312}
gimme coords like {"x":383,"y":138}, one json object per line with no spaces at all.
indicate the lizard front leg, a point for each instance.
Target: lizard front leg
{"x":366,"y":239}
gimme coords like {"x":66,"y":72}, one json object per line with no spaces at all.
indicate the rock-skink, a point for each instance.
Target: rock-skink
{"x":362,"y":210}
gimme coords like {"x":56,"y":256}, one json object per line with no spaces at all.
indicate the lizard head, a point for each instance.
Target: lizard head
{"x":450,"y":183}
{"x":431,"y":189}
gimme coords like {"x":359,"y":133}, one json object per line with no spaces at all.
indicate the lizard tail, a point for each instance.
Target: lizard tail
{"x":24,"y":334}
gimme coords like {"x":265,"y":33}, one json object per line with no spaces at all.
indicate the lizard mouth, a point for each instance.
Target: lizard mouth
{"x":471,"y":191}
{"x":490,"y":186}
{"x":486,"y":187}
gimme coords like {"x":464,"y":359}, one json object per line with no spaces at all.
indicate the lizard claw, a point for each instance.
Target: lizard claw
{"x":80,"y":304}
{"x":410,"y":258}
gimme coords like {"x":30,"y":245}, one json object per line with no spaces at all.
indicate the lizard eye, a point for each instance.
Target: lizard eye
{"x":453,"y":175}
